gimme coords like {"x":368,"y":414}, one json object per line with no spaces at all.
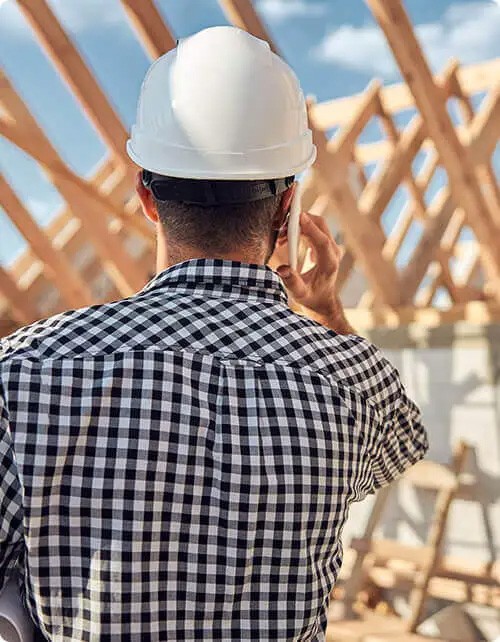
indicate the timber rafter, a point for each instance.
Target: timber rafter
{"x":418,"y":207}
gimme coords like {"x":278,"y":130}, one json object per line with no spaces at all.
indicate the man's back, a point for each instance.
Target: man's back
{"x":186,"y":459}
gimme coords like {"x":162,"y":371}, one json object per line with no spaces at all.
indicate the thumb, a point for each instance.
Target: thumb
{"x":293,"y":281}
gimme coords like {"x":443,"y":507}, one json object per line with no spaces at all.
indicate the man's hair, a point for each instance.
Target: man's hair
{"x":219,"y":229}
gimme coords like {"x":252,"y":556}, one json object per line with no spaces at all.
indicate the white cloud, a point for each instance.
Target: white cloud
{"x":469,"y":32}
{"x":279,"y":10}
{"x":76,"y":16}
{"x":82,"y":15}
{"x":359,"y":48}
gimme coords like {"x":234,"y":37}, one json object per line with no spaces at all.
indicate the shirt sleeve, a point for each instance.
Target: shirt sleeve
{"x":402,"y":440}
{"x":11,"y":509}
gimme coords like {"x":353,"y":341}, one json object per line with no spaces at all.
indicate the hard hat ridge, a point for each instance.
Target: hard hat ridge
{"x":221,"y":106}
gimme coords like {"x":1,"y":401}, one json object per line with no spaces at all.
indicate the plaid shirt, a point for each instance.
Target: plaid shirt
{"x":179,"y":465}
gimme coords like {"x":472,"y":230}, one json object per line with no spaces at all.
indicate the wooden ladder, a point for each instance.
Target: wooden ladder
{"x":445,"y":481}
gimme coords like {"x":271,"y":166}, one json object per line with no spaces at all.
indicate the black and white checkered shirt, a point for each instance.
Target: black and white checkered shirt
{"x":179,"y":465}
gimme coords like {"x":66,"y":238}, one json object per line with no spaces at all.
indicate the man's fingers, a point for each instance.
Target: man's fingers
{"x":313,"y":231}
{"x":293,"y":282}
{"x":326,"y":255}
{"x":323,"y":225}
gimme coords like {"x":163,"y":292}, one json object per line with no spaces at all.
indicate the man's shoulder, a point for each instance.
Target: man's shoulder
{"x":63,"y":334}
{"x":349,"y":360}
{"x":325,"y":343}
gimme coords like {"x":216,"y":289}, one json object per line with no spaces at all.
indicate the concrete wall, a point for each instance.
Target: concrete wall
{"x":453,"y":373}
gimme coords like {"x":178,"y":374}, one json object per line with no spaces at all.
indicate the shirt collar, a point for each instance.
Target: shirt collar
{"x":218,"y":277}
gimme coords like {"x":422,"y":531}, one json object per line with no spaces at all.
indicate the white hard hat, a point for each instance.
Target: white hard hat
{"x":221,"y":106}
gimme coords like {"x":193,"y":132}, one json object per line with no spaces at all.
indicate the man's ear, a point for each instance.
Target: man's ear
{"x":284,"y":208}
{"x":146,"y":198}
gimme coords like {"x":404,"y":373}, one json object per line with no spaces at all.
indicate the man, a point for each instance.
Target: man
{"x":179,"y":465}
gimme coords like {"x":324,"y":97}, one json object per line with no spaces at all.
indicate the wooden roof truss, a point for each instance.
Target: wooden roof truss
{"x":407,"y":254}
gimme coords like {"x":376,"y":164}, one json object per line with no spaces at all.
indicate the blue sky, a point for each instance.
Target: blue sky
{"x":333,"y":45}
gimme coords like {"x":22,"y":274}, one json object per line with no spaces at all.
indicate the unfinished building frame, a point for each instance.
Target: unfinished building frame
{"x":99,"y":248}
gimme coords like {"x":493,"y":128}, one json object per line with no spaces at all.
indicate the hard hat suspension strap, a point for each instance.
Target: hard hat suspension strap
{"x":206,"y":193}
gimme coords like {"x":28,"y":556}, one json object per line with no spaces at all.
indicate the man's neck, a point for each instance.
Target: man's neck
{"x":178,"y":254}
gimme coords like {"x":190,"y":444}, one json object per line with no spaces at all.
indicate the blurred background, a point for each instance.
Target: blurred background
{"x":405,"y":108}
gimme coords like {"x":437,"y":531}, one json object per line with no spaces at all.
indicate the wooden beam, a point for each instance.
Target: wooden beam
{"x":26,"y":134}
{"x":459,"y":290}
{"x":337,"y":112}
{"x":479,"y":77}
{"x":409,"y":213}
{"x":427,"y":171}
{"x":343,"y":144}
{"x":57,"y":170}
{"x":59,"y":270}
{"x":65,"y":233}
{"x":431,"y":103}
{"x":367,"y":153}
{"x":434,"y":541}
{"x":356,"y":574}
{"x":474,"y":312}
{"x":75,"y":72}
{"x":459,"y":293}
{"x":243,"y":14}
{"x":432,"y":476}
{"x":381,"y":189}
{"x":398,"y":233}
{"x":472,"y":272}
{"x":358,"y":182}
{"x":451,"y":590}
{"x":473,"y":78}
{"x":426,"y":295}
{"x":456,"y":568}
{"x":485,"y":172}
{"x":150,"y":25}
{"x":438,"y":217}
{"x":23,"y":310}
{"x":365,"y":630}
{"x":426,"y":250}
{"x":362,"y":234}
{"x":345,"y":269}
{"x":484,"y":131}
{"x":111,"y":182}
{"x":393,"y":134}
{"x":119,"y":265}
{"x":384,"y":550}
{"x":114,"y":184}
{"x":92,"y":207}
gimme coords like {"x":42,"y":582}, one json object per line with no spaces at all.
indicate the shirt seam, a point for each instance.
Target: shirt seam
{"x":218,"y":355}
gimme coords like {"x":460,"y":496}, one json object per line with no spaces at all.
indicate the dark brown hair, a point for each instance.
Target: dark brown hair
{"x":219,"y":229}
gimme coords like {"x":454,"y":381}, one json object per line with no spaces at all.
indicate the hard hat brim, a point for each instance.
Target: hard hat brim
{"x":243,"y":169}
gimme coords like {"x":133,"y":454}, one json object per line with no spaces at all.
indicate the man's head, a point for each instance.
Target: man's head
{"x":224,"y":117}
{"x":216,"y":219}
